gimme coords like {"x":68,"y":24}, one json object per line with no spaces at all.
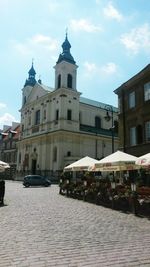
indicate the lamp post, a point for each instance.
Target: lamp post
{"x":134,"y":198}
{"x":110,"y":116}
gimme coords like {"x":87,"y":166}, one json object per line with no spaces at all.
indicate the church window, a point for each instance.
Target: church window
{"x":97,"y":122}
{"x":68,"y":153}
{"x":44,"y":114}
{"x":69,"y":114}
{"x":59,"y":81}
{"x":37,"y":117}
{"x":69,"y":81}
{"x":57,"y":114}
{"x":29,"y":120}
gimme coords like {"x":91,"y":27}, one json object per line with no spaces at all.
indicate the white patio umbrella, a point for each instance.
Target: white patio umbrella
{"x":83,"y":164}
{"x":144,"y":161}
{"x":118,"y":161}
{"x":3,"y":166}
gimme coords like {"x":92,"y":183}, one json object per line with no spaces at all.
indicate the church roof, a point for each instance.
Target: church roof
{"x":94,"y":103}
{"x":47,"y":88}
{"x":31,"y":81}
{"x":66,"y":55}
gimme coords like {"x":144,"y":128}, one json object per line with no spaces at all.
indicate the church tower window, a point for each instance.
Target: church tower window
{"x":69,"y":81}
{"x":59,"y":81}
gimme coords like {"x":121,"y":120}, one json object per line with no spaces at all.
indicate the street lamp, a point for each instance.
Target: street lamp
{"x":110,"y":116}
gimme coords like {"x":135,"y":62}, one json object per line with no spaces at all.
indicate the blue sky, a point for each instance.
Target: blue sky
{"x":110,"y":43}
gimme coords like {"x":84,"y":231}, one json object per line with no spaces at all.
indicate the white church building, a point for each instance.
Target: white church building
{"x":58,"y":125}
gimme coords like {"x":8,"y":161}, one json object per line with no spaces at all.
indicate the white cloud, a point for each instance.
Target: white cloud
{"x":2,"y":105}
{"x":112,"y":13}
{"x":84,"y":25}
{"x":137,"y":39}
{"x":92,"y":69}
{"x":6,"y":119}
{"x":37,"y":42}
{"x":46,"y":41}
{"x":109,"y":68}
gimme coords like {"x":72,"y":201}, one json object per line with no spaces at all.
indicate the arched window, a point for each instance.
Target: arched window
{"x":97,"y":122}
{"x":37,"y":117}
{"x":69,"y":81}
{"x":59,"y":81}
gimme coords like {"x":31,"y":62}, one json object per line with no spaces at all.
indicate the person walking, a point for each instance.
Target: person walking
{"x":2,"y":191}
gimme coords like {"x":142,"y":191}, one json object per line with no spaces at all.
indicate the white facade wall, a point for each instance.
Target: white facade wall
{"x":60,"y":141}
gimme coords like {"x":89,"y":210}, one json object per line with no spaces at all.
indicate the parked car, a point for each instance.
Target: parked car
{"x":36,"y":180}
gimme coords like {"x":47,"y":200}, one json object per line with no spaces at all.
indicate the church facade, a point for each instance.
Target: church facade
{"x":58,"y":125}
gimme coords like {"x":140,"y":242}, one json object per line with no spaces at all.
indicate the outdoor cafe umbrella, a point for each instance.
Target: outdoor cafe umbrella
{"x":118,"y":161}
{"x":3,"y":166}
{"x":144,"y":161}
{"x":82,"y":164}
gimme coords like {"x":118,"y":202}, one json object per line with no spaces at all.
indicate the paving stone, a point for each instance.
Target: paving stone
{"x":40,"y":228}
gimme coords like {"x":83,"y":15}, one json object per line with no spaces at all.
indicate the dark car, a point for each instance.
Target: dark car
{"x":36,"y":180}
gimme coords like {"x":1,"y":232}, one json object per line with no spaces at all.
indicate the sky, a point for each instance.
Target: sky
{"x":110,"y":42}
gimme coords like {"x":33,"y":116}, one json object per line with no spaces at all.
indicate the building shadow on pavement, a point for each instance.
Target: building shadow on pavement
{"x":3,"y":205}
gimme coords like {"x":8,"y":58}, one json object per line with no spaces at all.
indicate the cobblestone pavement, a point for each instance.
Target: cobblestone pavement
{"x":39,"y":227}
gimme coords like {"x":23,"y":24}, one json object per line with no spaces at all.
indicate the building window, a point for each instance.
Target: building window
{"x":69,"y":81}
{"x":37,"y":117}
{"x":57,"y":114}
{"x":132,"y":100}
{"x":97,"y":122}
{"x":59,"y":81}
{"x":68,"y":153}
{"x":29,"y":120}
{"x":139,"y":134}
{"x":69,"y":114}
{"x":147,"y":91}
{"x":133,"y":136}
{"x":44,"y":114}
{"x":147,"y":131}
{"x":55,"y":154}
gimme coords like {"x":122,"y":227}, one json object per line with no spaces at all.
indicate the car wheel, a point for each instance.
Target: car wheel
{"x":47,"y":184}
{"x":27,"y":185}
